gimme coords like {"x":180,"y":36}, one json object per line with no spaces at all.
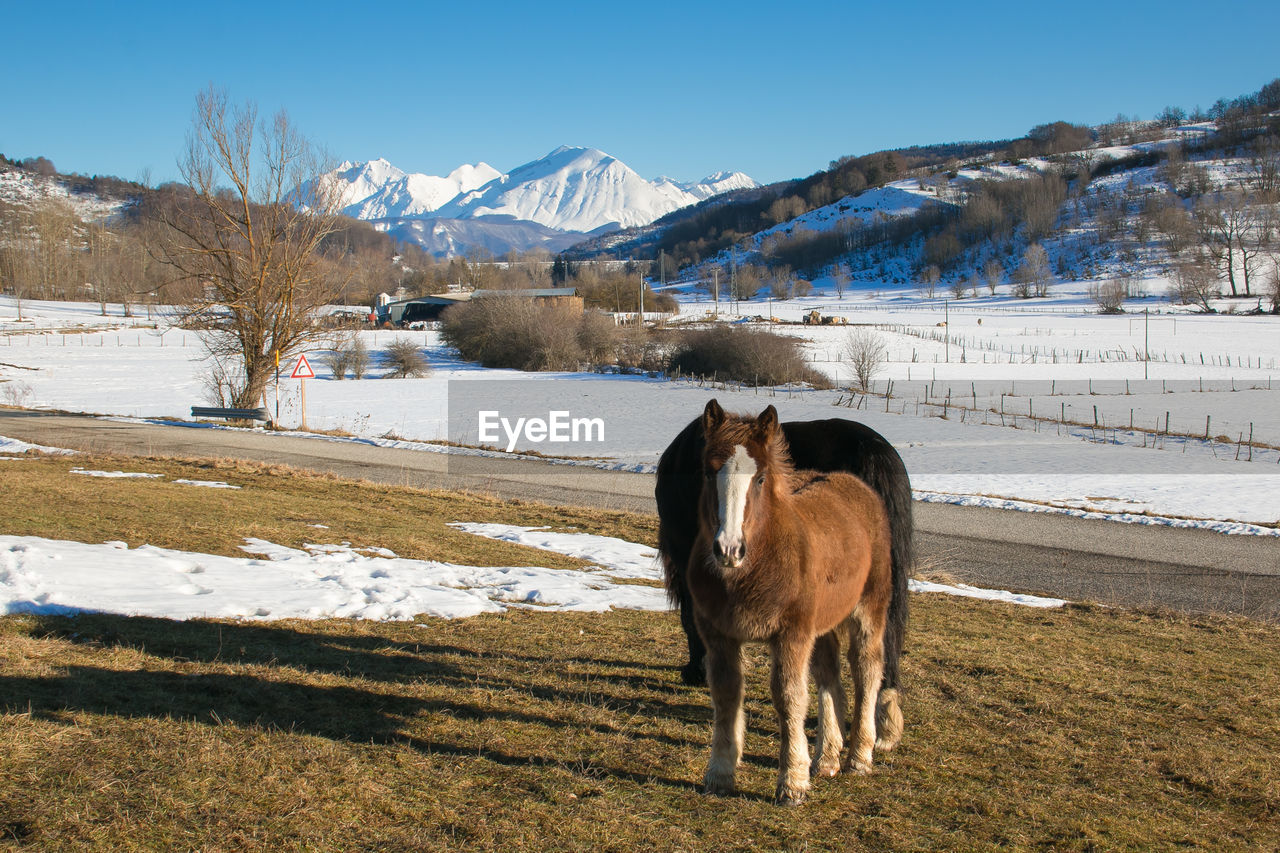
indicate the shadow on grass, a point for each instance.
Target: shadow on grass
{"x":386,"y":687}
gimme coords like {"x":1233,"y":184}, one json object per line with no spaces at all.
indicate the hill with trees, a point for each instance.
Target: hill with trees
{"x":1186,"y":195}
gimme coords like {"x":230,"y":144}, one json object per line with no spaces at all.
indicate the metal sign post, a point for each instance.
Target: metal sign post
{"x":302,"y":370}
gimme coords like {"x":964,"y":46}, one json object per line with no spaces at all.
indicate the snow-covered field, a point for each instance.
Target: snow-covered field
{"x":1011,"y":375}
{"x":339,"y":581}
{"x":71,"y":357}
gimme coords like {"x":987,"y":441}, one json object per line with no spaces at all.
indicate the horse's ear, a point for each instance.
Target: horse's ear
{"x":712,"y":417}
{"x":768,"y":421}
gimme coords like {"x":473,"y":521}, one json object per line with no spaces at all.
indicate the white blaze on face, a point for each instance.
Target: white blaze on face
{"x":733,"y":481}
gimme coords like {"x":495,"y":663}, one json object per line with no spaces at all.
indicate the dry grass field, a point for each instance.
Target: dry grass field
{"x":1084,"y":728}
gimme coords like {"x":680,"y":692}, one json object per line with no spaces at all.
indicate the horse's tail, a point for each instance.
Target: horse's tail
{"x":673,"y":568}
{"x":902,"y":560}
{"x":895,"y":489}
{"x":676,"y":493}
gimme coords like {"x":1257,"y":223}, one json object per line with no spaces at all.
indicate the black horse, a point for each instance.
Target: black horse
{"x":834,"y":444}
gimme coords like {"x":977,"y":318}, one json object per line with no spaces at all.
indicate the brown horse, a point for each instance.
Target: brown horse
{"x":799,"y":560}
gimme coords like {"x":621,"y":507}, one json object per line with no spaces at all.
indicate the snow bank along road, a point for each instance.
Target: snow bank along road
{"x":1072,"y":558}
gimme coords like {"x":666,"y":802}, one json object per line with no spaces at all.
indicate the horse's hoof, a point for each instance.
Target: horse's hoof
{"x":825,"y":768}
{"x":790,"y":796}
{"x":694,"y":675}
{"x":858,"y":768}
{"x":718,"y":785}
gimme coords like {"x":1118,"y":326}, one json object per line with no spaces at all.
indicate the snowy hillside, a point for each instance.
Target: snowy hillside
{"x":570,"y":191}
{"x":22,"y":189}
{"x":446,"y":238}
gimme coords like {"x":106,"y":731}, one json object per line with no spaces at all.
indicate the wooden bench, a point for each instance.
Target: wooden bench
{"x":258,"y":414}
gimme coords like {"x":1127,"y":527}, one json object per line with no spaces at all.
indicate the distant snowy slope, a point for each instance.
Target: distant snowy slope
{"x":716,"y":184}
{"x":24,"y":189}
{"x":571,"y":189}
{"x":453,"y":237}
{"x":900,"y":198}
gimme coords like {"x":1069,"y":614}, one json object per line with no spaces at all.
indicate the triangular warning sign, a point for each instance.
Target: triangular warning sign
{"x":303,"y":369}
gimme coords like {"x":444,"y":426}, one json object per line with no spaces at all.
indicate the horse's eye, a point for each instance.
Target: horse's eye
{"x":760,"y":480}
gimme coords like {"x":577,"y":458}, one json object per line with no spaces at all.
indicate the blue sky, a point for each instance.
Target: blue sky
{"x":776,"y":90}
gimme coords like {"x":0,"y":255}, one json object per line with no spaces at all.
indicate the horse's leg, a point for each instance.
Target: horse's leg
{"x":724,"y":677}
{"x":790,"y":684}
{"x":695,"y":671}
{"x":831,"y":705}
{"x":866,"y":662}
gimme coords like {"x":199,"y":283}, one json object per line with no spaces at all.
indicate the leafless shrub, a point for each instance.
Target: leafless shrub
{"x":405,"y":359}
{"x":1195,"y":283}
{"x":1109,"y":296}
{"x":741,"y":354}
{"x":867,"y":352}
{"x":350,"y":354}
{"x":16,"y":393}
{"x":526,"y":334}
{"x":599,"y":337}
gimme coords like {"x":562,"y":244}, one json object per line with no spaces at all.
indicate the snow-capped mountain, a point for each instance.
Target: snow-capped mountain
{"x":583,"y":189}
{"x":573,"y":190}
{"x":378,"y":190}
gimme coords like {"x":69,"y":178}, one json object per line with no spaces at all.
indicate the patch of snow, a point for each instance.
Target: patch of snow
{"x":10,"y":446}
{"x":117,"y":475}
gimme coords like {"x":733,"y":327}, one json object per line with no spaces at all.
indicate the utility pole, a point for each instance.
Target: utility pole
{"x":640,"y":317}
{"x":715,"y":273}
{"x":946,"y":326}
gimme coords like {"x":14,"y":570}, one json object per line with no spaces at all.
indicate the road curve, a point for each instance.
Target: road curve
{"x":1078,"y":559}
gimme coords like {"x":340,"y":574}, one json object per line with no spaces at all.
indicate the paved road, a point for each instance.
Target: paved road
{"x":1190,"y":570}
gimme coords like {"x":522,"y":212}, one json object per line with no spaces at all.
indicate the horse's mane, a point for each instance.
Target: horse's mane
{"x":740,"y":429}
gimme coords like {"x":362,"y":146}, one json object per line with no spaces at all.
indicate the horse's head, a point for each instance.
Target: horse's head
{"x":744,"y":461}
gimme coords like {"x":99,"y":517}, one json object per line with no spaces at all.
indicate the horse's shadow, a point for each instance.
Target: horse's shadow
{"x":272,"y":686}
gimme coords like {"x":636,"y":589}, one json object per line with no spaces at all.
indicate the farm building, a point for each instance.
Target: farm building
{"x":427,"y":308}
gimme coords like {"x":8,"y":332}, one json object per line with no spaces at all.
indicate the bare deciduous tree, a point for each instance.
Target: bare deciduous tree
{"x":54,"y":226}
{"x":1194,"y":283}
{"x":867,"y":352}
{"x":929,"y":279}
{"x":1033,"y":276}
{"x":1220,"y":219}
{"x":1273,"y":287}
{"x":993,"y":273}
{"x":1109,"y":295}
{"x":840,"y":279}
{"x":250,"y":238}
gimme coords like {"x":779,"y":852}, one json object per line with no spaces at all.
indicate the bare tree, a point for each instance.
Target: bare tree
{"x":1220,"y":219}
{"x":992,"y":272}
{"x":929,"y":281}
{"x":54,"y":227}
{"x":867,"y":353}
{"x":1109,"y":295}
{"x":1273,"y":287}
{"x":840,"y":279}
{"x":16,"y":252}
{"x":1033,"y":276}
{"x":1194,"y":283}
{"x":250,"y":238}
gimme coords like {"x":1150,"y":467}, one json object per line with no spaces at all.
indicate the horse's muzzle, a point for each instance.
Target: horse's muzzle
{"x":730,"y":557}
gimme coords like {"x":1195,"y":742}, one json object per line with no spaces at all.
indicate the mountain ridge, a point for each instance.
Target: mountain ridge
{"x":571,"y":190}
